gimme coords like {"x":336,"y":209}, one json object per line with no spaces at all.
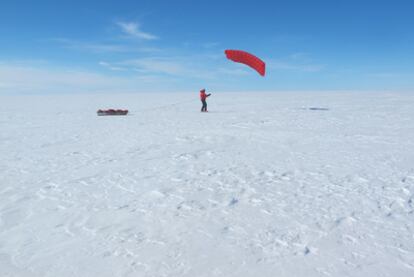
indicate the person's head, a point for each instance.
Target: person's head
{"x":203,"y":90}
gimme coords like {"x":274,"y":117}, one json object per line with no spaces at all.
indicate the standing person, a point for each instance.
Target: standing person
{"x":203,"y":97}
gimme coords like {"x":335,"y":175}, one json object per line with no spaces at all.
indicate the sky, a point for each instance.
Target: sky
{"x":178,"y":45}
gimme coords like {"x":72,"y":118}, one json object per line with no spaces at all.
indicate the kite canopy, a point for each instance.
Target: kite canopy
{"x":246,"y":58}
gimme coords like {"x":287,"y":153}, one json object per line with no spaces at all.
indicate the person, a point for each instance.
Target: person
{"x":203,"y":97}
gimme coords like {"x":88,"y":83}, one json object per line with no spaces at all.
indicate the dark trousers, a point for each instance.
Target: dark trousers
{"x":204,"y":107}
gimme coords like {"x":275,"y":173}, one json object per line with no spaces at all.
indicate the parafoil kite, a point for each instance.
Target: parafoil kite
{"x":246,"y":58}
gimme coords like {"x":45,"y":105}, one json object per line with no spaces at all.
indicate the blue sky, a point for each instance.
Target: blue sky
{"x":128,"y":46}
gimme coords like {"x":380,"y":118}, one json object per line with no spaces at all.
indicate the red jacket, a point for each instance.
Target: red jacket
{"x":203,"y":95}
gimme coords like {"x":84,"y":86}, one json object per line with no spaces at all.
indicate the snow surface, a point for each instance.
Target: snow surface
{"x":265,"y":184}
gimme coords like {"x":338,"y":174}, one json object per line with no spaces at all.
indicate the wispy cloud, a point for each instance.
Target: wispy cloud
{"x":295,"y":62}
{"x":158,"y":65}
{"x":103,"y":47}
{"x":111,"y":67}
{"x":187,"y":67}
{"x":19,"y":78}
{"x":92,"y":47}
{"x":280,"y":65}
{"x":133,"y":29}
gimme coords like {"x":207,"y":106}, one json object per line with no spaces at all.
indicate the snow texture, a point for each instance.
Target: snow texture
{"x":265,"y":184}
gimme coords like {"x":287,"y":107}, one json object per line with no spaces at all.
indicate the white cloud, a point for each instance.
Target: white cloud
{"x":187,"y":67}
{"x":38,"y":79}
{"x":103,"y":47}
{"x":133,"y":29}
{"x":298,"y":62}
{"x":91,"y":47}
{"x":111,"y":67}
{"x":294,"y":67}
{"x":158,"y":65}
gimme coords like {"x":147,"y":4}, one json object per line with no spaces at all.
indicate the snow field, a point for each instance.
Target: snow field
{"x":262,"y":185}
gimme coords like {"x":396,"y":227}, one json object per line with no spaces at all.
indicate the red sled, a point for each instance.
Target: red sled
{"x":112,"y":112}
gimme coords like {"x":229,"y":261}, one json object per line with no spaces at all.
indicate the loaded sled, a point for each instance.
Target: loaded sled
{"x":112,"y":112}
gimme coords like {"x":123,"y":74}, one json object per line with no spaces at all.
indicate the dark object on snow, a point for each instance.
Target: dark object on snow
{"x":318,"y":109}
{"x":112,"y":112}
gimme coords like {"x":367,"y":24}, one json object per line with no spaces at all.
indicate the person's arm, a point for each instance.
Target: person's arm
{"x":208,"y":94}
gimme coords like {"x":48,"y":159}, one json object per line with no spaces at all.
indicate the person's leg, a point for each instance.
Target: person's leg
{"x":204,"y":108}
